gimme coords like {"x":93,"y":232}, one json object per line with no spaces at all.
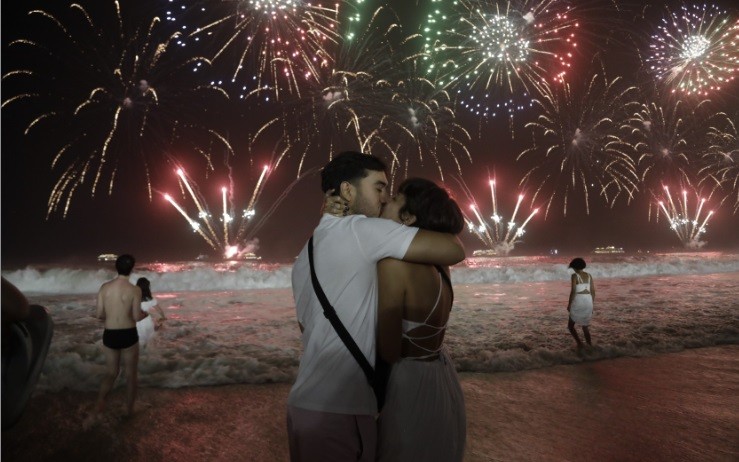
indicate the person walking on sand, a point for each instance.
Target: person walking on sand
{"x":332,"y":407}
{"x":580,"y":306}
{"x":119,"y":305}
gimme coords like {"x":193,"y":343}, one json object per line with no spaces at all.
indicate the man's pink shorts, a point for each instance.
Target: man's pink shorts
{"x":323,"y":436}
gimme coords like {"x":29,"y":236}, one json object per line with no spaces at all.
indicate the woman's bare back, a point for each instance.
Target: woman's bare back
{"x":423,"y":283}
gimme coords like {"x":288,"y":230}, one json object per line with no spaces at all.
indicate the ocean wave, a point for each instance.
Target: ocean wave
{"x":541,"y":269}
{"x":87,"y":281}
{"x":252,"y":336}
{"x":200,"y":276}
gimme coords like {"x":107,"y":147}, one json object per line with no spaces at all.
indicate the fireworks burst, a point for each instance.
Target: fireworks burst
{"x":722,"y":158}
{"x":231,"y":231}
{"x":355,"y":16}
{"x":420,"y":123}
{"x":687,"y":229}
{"x":695,"y":50}
{"x":667,"y":139}
{"x":109,"y":94}
{"x":373,"y":100}
{"x":343,"y":108}
{"x":491,"y":53}
{"x":580,"y":147}
{"x":498,"y":234}
{"x":277,"y":46}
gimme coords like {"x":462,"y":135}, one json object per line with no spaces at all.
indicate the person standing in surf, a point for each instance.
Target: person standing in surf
{"x":147,"y":326}
{"x":119,"y":305}
{"x":580,"y":306}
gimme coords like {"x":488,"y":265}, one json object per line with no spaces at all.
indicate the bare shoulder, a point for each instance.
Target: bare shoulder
{"x":132,"y":290}
{"x":105,"y":286}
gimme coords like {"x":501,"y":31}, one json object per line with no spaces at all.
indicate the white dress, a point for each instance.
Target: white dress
{"x":424,"y":416}
{"x":581,"y":310}
{"x":145,"y":327}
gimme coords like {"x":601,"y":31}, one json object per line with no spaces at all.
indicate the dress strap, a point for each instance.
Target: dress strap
{"x":410,"y":325}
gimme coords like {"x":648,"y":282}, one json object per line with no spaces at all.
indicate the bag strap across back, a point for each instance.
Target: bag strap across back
{"x":333,"y":318}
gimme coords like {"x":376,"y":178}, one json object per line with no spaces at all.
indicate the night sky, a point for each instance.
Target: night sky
{"x":127,"y":221}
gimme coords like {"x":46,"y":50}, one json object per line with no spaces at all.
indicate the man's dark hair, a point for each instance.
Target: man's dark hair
{"x":349,"y":166}
{"x":124,"y":264}
{"x":434,"y":209}
{"x":577,"y":264}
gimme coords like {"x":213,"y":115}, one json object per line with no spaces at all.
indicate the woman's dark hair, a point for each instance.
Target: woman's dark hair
{"x":577,"y":264}
{"x":433,"y":208}
{"x":145,"y":286}
{"x":124,"y":264}
{"x":349,"y":166}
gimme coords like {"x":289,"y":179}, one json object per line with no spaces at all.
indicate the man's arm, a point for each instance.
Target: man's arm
{"x":138,"y":313}
{"x":100,"y":305}
{"x":434,"y":248}
{"x":391,"y":297}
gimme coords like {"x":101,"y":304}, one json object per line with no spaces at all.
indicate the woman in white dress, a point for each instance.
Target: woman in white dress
{"x":151,"y":323}
{"x":580,"y":306}
{"x":424,"y":415}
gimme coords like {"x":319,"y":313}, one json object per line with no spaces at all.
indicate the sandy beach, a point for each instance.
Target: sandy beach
{"x":677,"y":406}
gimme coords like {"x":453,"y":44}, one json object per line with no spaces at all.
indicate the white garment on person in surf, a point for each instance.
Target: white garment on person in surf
{"x":145,"y":327}
{"x":581,"y":310}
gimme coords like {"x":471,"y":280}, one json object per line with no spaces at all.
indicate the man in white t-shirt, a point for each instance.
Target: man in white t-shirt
{"x":331,"y":407}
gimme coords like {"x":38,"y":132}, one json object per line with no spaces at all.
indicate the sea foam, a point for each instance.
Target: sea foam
{"x":235,"y":322}
{"x":201,"y":276}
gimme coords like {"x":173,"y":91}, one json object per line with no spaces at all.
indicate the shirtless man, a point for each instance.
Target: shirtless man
{"x":119,"y":305}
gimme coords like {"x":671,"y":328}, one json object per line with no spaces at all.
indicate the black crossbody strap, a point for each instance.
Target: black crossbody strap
{"x":446,"y":279}
{"x":333,"y":318}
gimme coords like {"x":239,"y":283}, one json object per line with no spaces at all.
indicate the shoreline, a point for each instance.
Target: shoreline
{"x":672,"y":406}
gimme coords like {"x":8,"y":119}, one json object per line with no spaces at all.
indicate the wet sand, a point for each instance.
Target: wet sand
{"x":679,"y":406}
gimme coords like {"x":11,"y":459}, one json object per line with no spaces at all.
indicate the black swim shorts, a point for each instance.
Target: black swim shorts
{"x":118,"y":339}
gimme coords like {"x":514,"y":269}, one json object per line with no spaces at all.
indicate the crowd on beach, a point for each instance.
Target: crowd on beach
{"x":373,"y":299}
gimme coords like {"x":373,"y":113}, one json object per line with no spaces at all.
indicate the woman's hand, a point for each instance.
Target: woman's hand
{"x":334,"y":205}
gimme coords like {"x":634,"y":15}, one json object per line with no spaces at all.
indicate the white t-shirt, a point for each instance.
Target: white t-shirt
{"x":345,"y":251}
